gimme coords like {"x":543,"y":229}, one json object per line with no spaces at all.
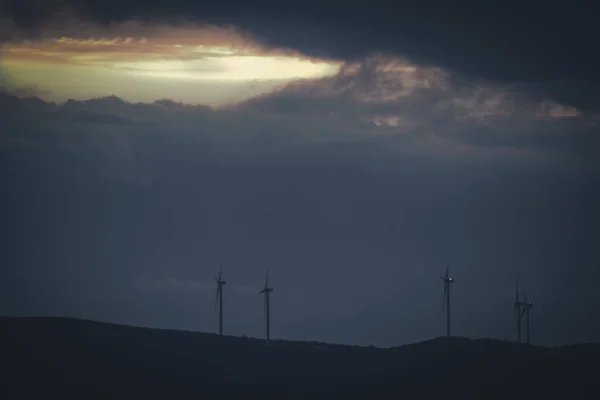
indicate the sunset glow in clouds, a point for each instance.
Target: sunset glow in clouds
{"x":200,"y":64}
{"x":197,"y":65}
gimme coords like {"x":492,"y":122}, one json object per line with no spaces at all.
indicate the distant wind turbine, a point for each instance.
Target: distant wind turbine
{"x":447,"y":281}
{"x":526,"y":308}
{"x":219,"y":299}
{"x":267,"y":292}
{"x":519,"y":309}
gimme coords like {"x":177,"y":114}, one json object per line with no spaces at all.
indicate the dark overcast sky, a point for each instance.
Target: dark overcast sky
{"x":510,"y":40}
{"x":108,"y":216}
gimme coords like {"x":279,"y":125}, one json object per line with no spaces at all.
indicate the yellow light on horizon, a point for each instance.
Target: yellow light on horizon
{"x":140,"y":70}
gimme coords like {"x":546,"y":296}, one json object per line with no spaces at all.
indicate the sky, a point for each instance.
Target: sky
{"x":354,"y":152}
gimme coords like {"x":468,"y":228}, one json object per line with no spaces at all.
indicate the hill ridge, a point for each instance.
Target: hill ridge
{"x":3,"y":319}
{"x":76,"y":357}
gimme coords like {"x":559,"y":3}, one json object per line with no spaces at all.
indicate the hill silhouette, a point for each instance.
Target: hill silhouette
{"x":70,"y":358}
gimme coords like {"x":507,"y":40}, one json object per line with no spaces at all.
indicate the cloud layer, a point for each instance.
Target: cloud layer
{"x":386,"y":104}
{"x":193,"y":63}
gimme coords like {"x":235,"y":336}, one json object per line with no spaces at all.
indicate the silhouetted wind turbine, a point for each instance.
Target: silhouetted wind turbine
{"x":267,"y":292}
{"x":518,"y":312}
{"x":219,"y":299}
{"x":447,"y":281}
{"x":526,"y":307}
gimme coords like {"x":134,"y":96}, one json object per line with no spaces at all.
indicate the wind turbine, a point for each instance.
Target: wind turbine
{"x":447,"y":281}
{"x":219,"y":299}
{"x":267,"y":292}
{"x":519,"y":309}
{"x":526,"y":307}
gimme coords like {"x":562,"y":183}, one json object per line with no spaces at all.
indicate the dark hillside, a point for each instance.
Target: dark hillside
{"x":56,"y":357}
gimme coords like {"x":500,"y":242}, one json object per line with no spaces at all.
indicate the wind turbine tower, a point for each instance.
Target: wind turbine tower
{"x":267,"y":292}
{"x":219,"y":299}
{"x":447,"y":281}
{"x":519,"y":310}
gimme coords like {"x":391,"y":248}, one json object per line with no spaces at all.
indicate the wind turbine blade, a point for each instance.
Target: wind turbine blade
{"x":516,"y":304}
{"x":447,"y":267}
{"x":267,"y":280}
{"x":444,"y":296}
{"x":220,"y":272}
{"x":217,"y":297}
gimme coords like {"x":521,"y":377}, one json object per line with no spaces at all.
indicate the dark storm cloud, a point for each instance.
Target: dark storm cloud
{"x":373,"y":110}
{"x":547,"y":47}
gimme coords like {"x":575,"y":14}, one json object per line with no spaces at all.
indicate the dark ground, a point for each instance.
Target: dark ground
{"x":66,"y":358}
